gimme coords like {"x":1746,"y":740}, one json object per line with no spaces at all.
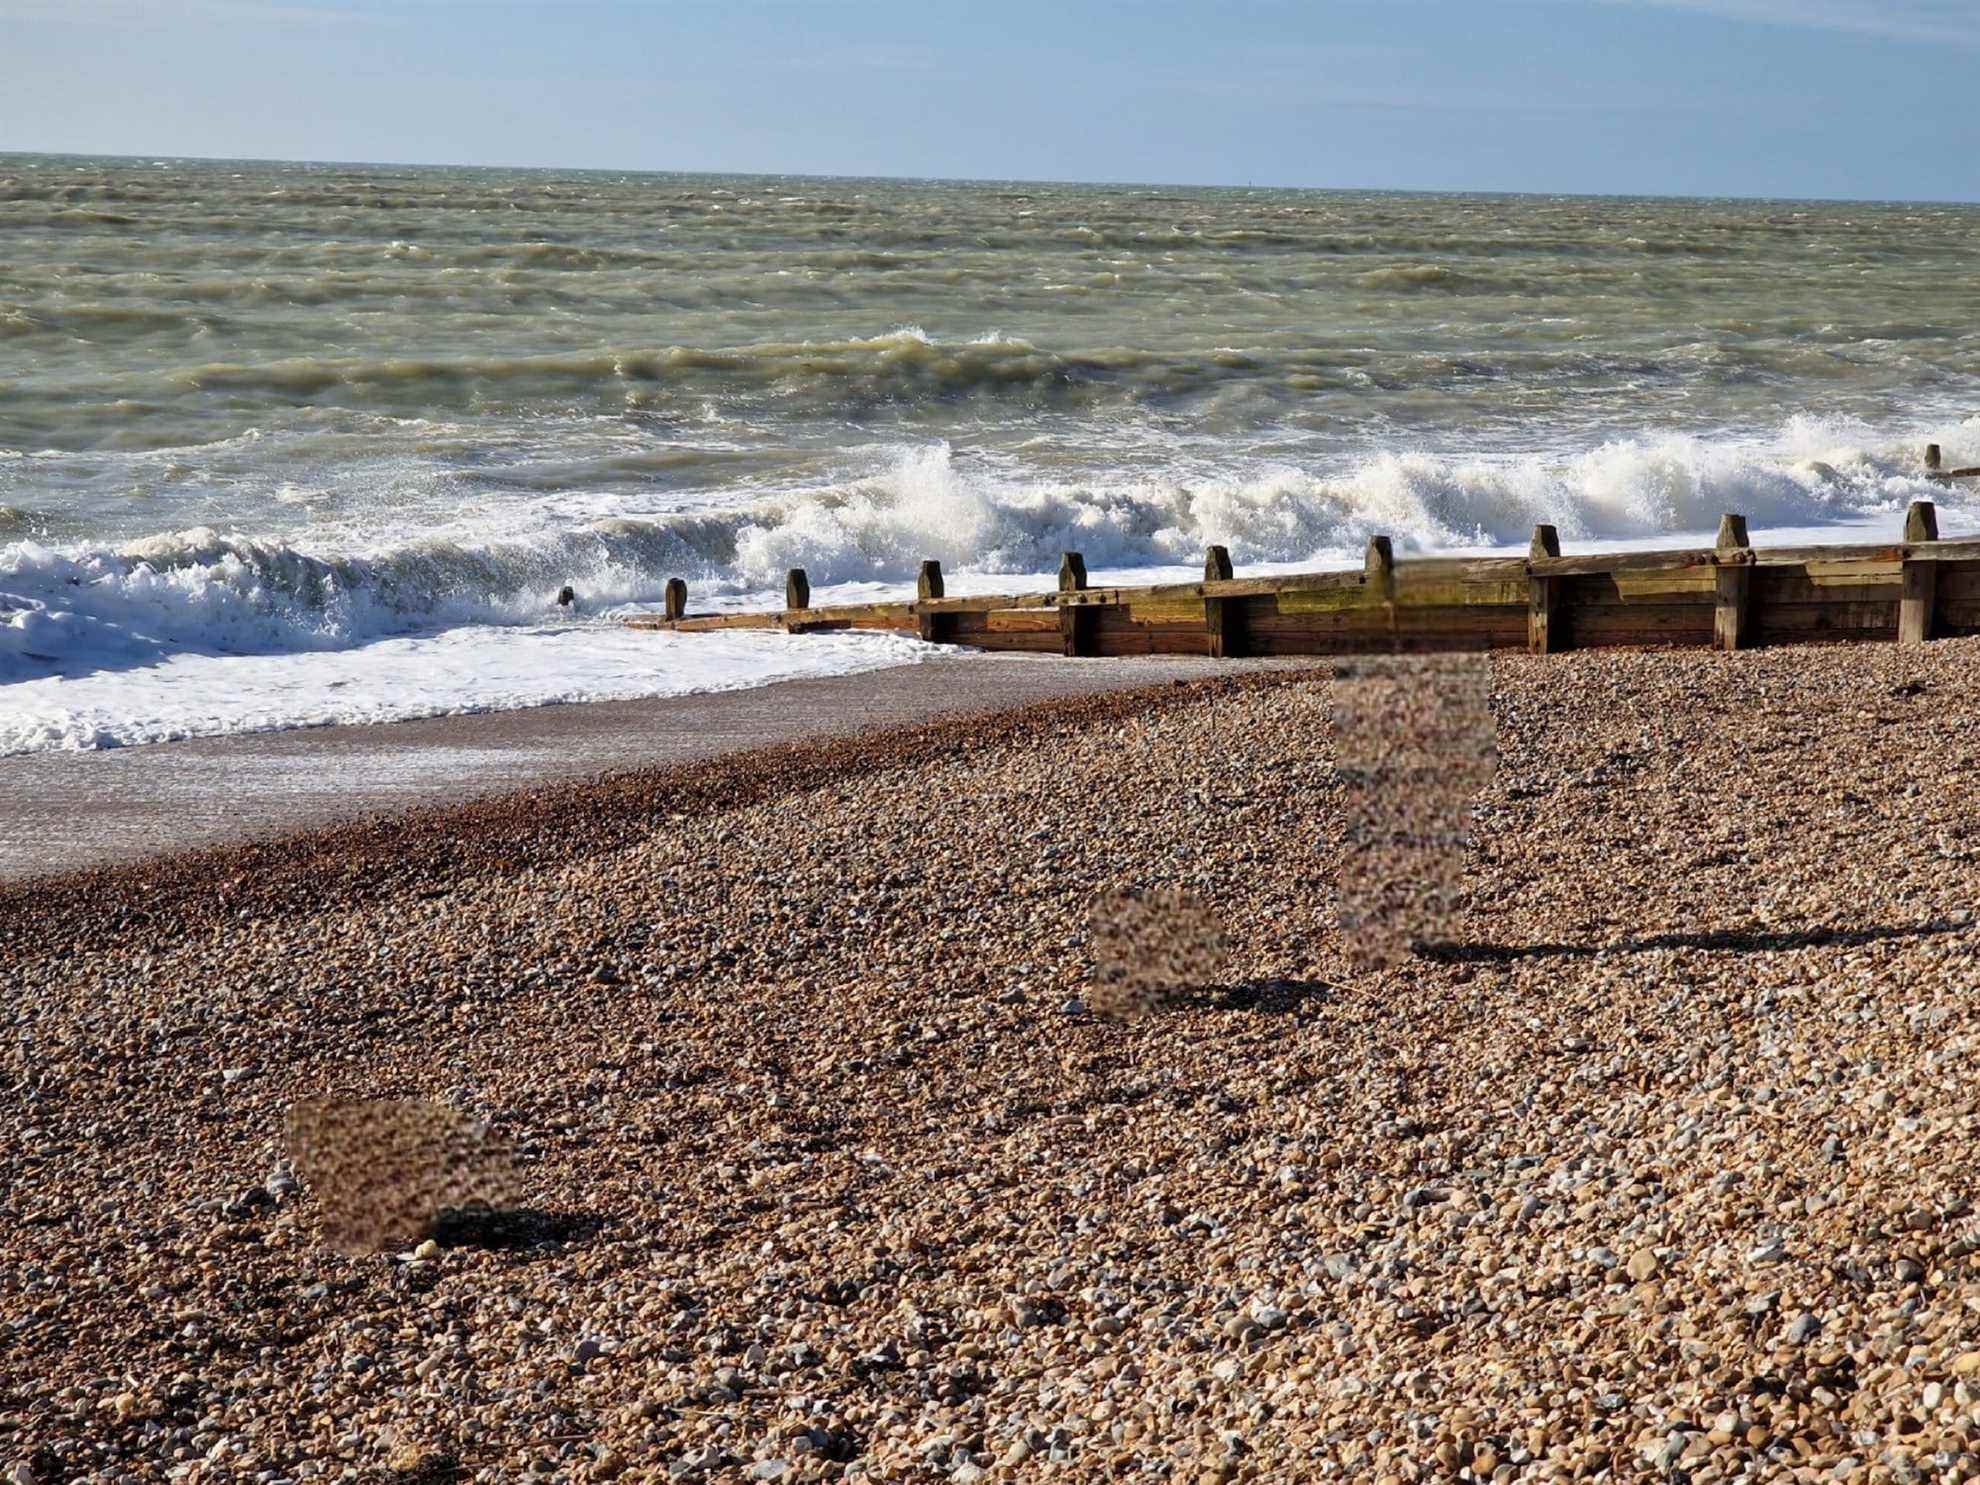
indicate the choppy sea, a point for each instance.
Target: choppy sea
{"x":283,"y":444}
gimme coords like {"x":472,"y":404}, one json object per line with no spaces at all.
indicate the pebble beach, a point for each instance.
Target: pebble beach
{"x":1658,"y":1167}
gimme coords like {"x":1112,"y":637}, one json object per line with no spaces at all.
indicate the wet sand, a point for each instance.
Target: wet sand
{"x":61,"y":812}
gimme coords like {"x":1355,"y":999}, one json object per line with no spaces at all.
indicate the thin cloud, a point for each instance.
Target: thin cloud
{"x":156,"y":12}
{"x":1944,"y":22}
{"x":874,"y":57}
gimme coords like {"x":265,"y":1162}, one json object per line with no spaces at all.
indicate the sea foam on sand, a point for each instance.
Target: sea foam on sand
{"x":483,"y":668}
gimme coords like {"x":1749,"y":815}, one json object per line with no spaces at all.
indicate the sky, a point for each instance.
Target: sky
{"x":1803,"y":98}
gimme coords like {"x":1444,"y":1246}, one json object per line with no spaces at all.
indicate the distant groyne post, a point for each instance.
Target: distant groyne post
{"x":1935,"y":467}
{"x":797,"y":601}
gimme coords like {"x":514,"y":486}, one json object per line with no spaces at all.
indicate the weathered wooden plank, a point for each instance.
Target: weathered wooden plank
{"x":1952,"y":549}
{"x":983,"y":603}
{"x":1849,"y":574}
{"x":1164,"y":611}
{"x":1484,"y":628}
{"x":1020,"y":620}
{"x":1405,"y":593}
{"x":1377,"y":643}
{"x":709,"y":623}
{"x":1238,"y":588}
{"x":1778,"y":585}
{"x":1959,"y":581}
{"x":1954,"y":616}
{"x":1326,"y":601}
{"x":1785,"y":623}
{"x":1412,"y":590}
{"x":1641,"y":624}
{"x":1033,"y":630}
{"x":1960,"y":549}
{"x":1461,"y":569}
{"x":1694,"y":584}
{"x":1618,"y":590}
{"x":1115,"y":634}
{"x":1608,"y":563}
{"x":1802,"y":556}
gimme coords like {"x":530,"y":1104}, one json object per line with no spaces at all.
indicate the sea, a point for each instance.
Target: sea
{"x":293,"y":444}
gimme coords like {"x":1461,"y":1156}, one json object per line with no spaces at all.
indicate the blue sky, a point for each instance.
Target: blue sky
{"x":1857,"y":98}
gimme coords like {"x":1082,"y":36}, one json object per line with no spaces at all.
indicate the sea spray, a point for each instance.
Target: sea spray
{"x":68,"y":609}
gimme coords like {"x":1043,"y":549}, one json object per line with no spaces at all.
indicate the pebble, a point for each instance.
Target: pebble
{"x":742,"y":1022}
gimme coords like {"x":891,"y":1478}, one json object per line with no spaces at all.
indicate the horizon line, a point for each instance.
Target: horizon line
{"x":966,"y":180}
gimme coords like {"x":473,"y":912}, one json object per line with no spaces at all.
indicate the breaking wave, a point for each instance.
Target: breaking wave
{"x":68,"y":610}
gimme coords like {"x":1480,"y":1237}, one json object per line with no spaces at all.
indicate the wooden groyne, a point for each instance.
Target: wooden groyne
{"x":1729,"y":596}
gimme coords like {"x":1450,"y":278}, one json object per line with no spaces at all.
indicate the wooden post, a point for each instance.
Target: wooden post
{"x":1075,"y":620}
{"x":1380,"y":568}
{"x":1734,"y":555}
{"x":1919,"y":595}
{"x":1223,"y":618}
{"x":933,"y":628}
{"x":676,"y":607}
{"x":1379,"y":573}
{"x":1545,"y":633}
{"x":797,"y":589}
{"x":1932,"y":459}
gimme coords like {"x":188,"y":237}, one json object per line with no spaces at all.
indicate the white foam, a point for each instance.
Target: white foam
{"x":470,"y":669}
{"x":199,"y":631}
